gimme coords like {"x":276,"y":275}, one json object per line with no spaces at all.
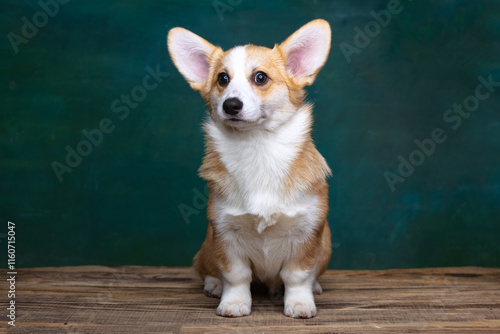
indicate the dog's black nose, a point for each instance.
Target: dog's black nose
{"x":232,"y":106}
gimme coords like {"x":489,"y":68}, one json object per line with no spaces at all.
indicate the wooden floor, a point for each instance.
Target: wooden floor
{"x":95,"y":299}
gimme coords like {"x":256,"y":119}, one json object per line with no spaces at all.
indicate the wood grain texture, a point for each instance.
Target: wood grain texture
{"x":134,"y":299}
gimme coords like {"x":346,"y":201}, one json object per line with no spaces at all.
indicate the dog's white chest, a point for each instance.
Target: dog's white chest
{"x":258,"y":164}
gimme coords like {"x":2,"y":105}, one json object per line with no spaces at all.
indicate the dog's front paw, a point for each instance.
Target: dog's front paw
{"x":300,"y":309}
{"x":234,"y":308}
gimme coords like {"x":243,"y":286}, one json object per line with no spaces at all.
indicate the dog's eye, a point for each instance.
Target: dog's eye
{"x":260,"y":78}
{"x":223,"y":79}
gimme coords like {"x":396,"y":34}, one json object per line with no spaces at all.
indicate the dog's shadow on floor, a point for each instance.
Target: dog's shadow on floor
{"x":261,"y":291}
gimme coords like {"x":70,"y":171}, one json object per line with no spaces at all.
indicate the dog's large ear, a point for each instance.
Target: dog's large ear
{"x":306,"y":51}
{"x":190,"y":54}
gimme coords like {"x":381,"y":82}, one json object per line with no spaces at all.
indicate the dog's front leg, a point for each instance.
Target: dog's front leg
{"x":299,"y":299}
{"x":236,"y":300}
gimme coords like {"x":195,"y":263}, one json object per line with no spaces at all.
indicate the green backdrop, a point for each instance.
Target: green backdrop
{"x":394,"y":73}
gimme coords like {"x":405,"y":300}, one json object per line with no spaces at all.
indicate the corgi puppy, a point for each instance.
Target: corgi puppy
{"x":268,"y":195}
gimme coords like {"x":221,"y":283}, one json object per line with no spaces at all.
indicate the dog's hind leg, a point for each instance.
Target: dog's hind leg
{"x":213,"y":287}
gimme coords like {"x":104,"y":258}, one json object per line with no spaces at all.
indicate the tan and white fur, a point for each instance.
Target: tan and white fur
{"x":268,"y":195}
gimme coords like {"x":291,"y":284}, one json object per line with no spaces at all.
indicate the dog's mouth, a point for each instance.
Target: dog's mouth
{"x":235,"y":121}
{"x":240,"y":122}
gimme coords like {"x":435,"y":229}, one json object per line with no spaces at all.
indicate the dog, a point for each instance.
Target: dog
{"x":268,"y":194}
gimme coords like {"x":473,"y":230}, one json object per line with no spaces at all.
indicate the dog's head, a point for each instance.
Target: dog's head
{"x":252,"y":86}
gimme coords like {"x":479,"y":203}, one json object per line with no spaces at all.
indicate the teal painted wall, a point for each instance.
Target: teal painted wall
{"x":120,"y":203}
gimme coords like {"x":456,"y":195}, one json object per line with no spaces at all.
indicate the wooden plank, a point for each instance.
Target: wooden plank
{"x":135,"y":299}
